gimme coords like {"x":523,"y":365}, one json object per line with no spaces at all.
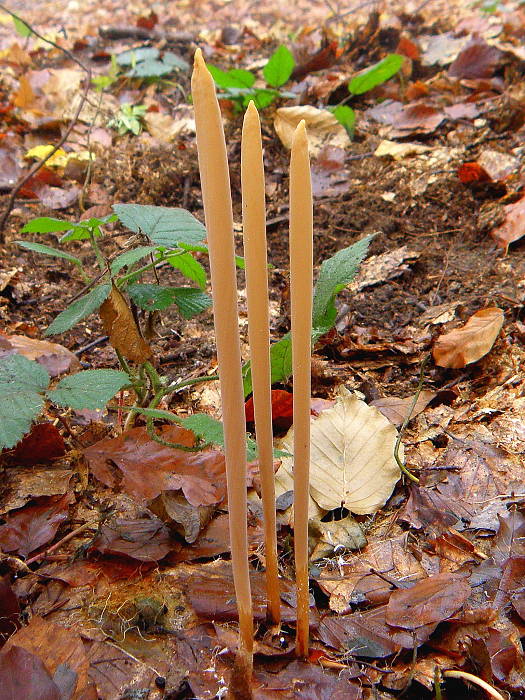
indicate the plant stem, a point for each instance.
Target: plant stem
{"x":100,"y":258}
{"x":407,"y":421}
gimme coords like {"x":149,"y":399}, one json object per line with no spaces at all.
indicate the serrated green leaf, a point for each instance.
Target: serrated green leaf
{"x":280,"y":363}
{"x":376,"y":75}
{"x":191,"y":302}
{"x":239,"y":260}
{"x":48,"y":250}
{"x":190,"y":268}
{"x":279,"y":67}
{"x":152,"y":297}
{"x":234,"y":78}
{"x":345,"y":115}
{"x":262,"y":98}
{"x":90,"y":389}
{"x":130,"y":257}
{"x":79,"y":309}
{"x":165,"y":226}
{"x":133,"y":56}
{"x":45,"y":224}
{"x":21,"y":380}
{"x":334,"y":275}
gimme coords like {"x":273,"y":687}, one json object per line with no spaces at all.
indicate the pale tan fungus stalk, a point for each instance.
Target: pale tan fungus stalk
{"x":254,"y":233}
{"x":215,"y":181}
{"x":301,"y":284}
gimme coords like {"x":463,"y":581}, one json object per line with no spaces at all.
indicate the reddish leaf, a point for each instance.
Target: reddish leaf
{"x":510,"y":538}
{"x":408,"y":48}
{"x":58,"y":197}
{"x":307,"y":681}
{"x":462,"y":346}
{"x":324,"y":58}
{"x":396,"y":409}
{"x":61,"y":651}
{"x":282,"y":406}
{"x":43,"y":443}
{"x":211,"y":592}
{"x":502,"y":654}
{"x":146,"y":539}
{"x":513,"y":228}
{"x":32,"y":527}
{"x":9,"y":611}
{"x":23,"y":676}
{"x":54,"y":357}
{"x":368,"y":634}
{"x":148,"y":468}
{"x":429,"y":601}
{"x":476,"y":60}
{"x":44,"y":176}
{"x":148,"y":21}
{"x":472,"y":172}
{"x":417,"y":118}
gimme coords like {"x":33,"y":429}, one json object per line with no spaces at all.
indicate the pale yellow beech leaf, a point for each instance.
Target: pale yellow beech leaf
{"x":352,"y":457}
{"x":321,"y":125}
{"x":57,"y":160}
{"x":465,"y":345}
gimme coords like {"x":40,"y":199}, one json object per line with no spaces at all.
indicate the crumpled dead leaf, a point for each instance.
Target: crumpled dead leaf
{"x":352,"y":457}
{"x":396,"y":409}
{"x":513,"y":228}
{"x":398,"y":151}
{"x":54,"y":357}
{"x":468,"y":344}
{"x":321,"y":125}
{"x":122,"y":329}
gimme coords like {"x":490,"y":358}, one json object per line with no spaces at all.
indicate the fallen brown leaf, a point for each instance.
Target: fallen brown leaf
{"x":124,"y":334}
{"x":54,"y":357}
{"x":468,"y":344}
{"x":513,"y":228}
{"x":396,"y":410}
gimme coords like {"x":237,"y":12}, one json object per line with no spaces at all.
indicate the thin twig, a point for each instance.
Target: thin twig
{"x":58,"y":544}
{"x":407,"y":421}
{"x":36,"y":167}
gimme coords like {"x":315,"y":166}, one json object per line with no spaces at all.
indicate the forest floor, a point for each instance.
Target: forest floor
{"x":132,"y":606}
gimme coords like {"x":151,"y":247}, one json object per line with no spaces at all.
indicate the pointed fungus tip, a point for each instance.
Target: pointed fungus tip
{"x":198,"y":60}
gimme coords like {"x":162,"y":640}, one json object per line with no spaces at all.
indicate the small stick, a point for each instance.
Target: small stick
{"x":254,"y":227}
{"x":301,"y":277}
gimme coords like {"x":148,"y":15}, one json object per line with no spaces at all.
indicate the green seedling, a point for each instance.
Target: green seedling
{"x":240,"y":87}
{"x":129,"y":118}
{"x":363,"y":82}
{"x":143,"y":63}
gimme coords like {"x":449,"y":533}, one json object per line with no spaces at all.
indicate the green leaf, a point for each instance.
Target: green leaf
{"x":79,"y":309}
{"x":48,"y":250}
{"x":334,"y":275}
{"x":376,"y":75}
{"x":21,"y":380}
{"x":166,"y":226}
{"x":190,"y":268}
{"x":280,"y":361}
{"x":21,"y":28}
{"x":176,"y":62}
{"x":191,"y":302}
{"x":234,"y":78}
{"x":130,"y":257}
{"x":280,"y":67}
{"x":239,"y":260}
{"x":45,"y":224}
{"x":346,"y":116}
{"x":152,"y":297}
{"x":91,"y":389}
{"x":133,"y":56}
{"x":262,"y":98}
{"x":149,"y":69}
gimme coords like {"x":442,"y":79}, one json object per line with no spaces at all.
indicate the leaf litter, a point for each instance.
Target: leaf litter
{"x":443,"y":556}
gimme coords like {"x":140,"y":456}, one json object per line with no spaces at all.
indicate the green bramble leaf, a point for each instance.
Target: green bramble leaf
{"x":190,"y":268}
{"x":166,"y":226}
{"x":152,"y":297}
{"x":130,"y":257}
{"x":279,"y":67}
{"x":79,"y":309}
{"x":46,"y":224}
{"x":48,"y":250}
{"x":21,"y":381}
{"x":90,"y":389}
{"x":234,"y":78}
{"x":377,"y":74}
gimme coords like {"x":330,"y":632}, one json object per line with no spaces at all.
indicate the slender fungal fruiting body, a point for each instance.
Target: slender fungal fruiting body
{"x":254,"y":232}
{"x":301,"y":286}
{"x":215,"y":181}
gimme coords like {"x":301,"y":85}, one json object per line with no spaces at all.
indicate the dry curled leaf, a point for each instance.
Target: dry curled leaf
{"x":323,"y":128}
{"x":513,"y":228}
{"x":352,"y":457}
{"x":468,"y":344}
{"x":122,"y":329}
